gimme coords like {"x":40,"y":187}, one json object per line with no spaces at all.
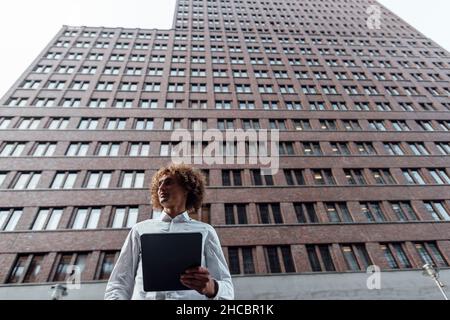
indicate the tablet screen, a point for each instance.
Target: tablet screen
{"x":165,"y":257}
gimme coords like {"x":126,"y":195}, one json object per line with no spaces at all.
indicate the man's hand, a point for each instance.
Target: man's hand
{"x":200,"y":280}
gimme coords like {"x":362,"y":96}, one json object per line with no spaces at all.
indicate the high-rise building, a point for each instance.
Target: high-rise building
{"x":362,"y":103}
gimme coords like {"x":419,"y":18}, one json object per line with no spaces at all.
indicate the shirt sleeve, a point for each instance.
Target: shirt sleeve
{"x":121,"y":282}
{"x":218,"y":268}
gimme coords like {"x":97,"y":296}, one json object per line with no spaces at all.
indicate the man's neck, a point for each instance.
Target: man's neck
{"x":173,"y":212}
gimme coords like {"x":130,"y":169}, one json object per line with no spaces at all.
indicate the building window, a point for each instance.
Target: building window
{"x":77,"y":149}
{"x":261,"y":180}
{"x":382,"y":176}
{"x":171,"y":124}
{"x":270,"y":213}
{"x":235,"y":214}
{"x":203,"y":214}
{"x":106,"y":264}
{"x":251,"y":124}
{"x":86,"y":218}
{"x":132,"y":179}
{"x":9,"y":219}
{"x":404,"y":211}
{"x":98,"y":103}
{"x":394,"y":149}
{"x":2,"y":178}
{"x":27,"y":269}
{"x":372,"y":211}
{"x":241,"y":260}
{"x":340,"y":148}
{"x":320,"y":258}
{"x":11,"y":149}
{"x":139,"y":149}
{"x":17,"y":102}
{"x":311,"y":148}
{"x":306,"y":212}
{"x":198,"y":124}
{"x":125,"y":217}
{"x":395,"y":256}
{"x":225,"y":124}
{"x":4,"y":123}
{"x":47,"y":219}
{"x":444,"y":148}
{"x":67,"y":264}
{"x":413,"y":176}
{"x":57,"y":124}
{"x":88,"y":124}
{"x":116,"y":124}
{"x":365,"y":148}
{"x":328,"y":125}
{"x":279,"y":259}
{"x":437,"y":210}
{"x":430,"y":253}
{"x":356,"y":257}
{"x":302,"y":124}
{"x":97,"y":180}
{"x":64,"y":180}
{"x":231,"y":178}
{"x":286,"y":148}
{"x":152,"y":104}
{"x":294,"y":177}
{"x":26,"y":181}
{"x":43,"y":149}
{"x":106,"y":149}
{"x":143,"y":124}
{"x":28,"y":123}
{"x":418,"y":149}
{"x":323,"y":177}
{"x":123,"y":103}
{"x":355,"y":177}
{"x":278,"y":125}
{"x":338,"y":212}
{"x":440,"y":176}
{"x":377,"y":125}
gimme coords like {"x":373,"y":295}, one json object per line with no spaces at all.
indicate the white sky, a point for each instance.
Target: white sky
{"x":26,"y":26}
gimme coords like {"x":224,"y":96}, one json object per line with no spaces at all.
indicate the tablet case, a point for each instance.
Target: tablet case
{"x":165,"y":256}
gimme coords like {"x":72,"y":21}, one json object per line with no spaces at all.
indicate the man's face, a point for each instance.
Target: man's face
{"x":170,"y":192}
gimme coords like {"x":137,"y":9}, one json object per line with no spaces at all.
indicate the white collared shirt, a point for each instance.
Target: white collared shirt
{"x":126,"y":280}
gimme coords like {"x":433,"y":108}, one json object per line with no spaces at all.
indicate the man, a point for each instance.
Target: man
{"x":177,"y":190}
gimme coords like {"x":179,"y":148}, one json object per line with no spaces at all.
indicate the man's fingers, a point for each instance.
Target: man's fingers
{"x":193,"y":285}
{"x":197,"y":270}
{"x":198,"y":276}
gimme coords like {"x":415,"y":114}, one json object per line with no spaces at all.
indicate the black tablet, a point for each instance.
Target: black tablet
{"x":165,"y":256}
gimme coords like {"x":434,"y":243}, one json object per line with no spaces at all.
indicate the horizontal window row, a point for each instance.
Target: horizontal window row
{"x":33,"y":123}
{"x":83,"y":218}
{"x":276,"y":104}
{"x":143,"y":37}
{"x":325,"y":257}
{"x":273,"y":259}
{"x":233,"y":45}
{"x":335,"y":212}
{"x":142,"y":149}
{"x":31,"y":180}
{"x":76,"y":218}
{"x":88,"y":218}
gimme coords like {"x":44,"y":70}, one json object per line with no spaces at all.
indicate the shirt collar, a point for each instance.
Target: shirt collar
{"x":182,"y":217}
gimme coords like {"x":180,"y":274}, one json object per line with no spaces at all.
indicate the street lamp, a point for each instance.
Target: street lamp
{"x":58,"y":291}
{"x":429,"y":270}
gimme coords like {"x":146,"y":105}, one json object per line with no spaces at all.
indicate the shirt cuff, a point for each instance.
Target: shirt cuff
{"x":218,"y":290}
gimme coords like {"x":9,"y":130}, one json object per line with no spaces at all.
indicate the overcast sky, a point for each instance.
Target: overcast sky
{"x":26,"y":26}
